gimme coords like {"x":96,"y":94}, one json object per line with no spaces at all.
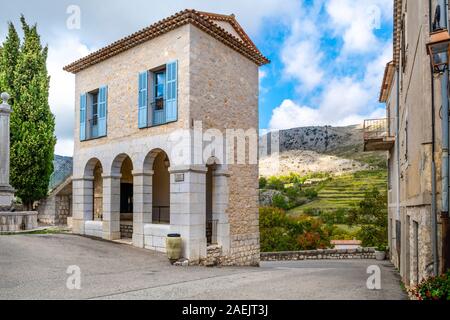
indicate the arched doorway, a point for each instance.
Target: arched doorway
{"x":210,"y":192}
{"x":93,"y":191}
{"x":126,"y":199}
{"x":120,"y":182}
{"x":161,"y":189}
{"x":98,"y":193}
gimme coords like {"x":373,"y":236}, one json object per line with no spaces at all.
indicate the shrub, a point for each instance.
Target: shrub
{"x":279,"y":201}
{"x":275,"y":183}
{"x":434,"y":288}
{"x":371,"y":235}
{"x":280,"y":232}
{"x":262,"y":182}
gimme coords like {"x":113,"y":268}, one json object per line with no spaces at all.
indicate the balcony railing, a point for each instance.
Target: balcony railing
{"x":93,"y":128}
{"x":161,"y":215}
{"x":376,"y":135}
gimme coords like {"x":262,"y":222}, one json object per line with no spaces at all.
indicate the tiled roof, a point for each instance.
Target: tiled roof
{"x":397,"y":30}
{"x":387,"y":81}
{"x":202,"y":20}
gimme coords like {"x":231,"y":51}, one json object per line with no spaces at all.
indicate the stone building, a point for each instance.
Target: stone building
{"x":414,"y":138}
{"x":148,"y":109}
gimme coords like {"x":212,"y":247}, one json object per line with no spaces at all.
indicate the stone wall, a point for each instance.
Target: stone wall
{"x":224,"y":90}
{"x":362,"y":253}
{"x":55,"y":210}
{"x":17,"y":221}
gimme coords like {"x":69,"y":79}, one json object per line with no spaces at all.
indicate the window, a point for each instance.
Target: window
{"x":160,"y":85}
{"x":93,"y":111}
{"x":158,"y":96}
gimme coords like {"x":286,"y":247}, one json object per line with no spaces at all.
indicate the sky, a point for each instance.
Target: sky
{"x":327,"y":56}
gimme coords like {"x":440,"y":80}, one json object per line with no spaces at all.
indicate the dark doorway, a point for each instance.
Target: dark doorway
{"x":126,"y":198}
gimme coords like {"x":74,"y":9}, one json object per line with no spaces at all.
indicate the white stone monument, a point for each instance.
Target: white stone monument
{"x":6,"y":191}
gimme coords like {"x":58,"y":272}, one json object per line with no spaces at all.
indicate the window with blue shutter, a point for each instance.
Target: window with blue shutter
{"x":83,"y":103}
{"x":143,"y":100}
{"x":171,"y":91}
{"x":102,"y":110}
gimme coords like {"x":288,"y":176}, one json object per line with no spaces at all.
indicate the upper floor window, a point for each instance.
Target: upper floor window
{"x":158,"y":96}
{"x":93,"y":111}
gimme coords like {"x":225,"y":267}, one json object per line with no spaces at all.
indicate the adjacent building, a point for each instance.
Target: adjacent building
{"x":415,"y":139}
{"x":141,"y":104}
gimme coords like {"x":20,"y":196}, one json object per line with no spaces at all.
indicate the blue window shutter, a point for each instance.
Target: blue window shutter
{"x":83,"y":103}
{"x":102,"y":110}
{"x":172,"y":91}
{"x":143,"y":98}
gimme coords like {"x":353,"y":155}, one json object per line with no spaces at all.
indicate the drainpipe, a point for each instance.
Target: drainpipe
{"x":397,"y":145}
{"x":434,"y":238}
{"x":445,"y":171}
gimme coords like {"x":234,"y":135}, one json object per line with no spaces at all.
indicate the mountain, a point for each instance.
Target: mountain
{"x":335,"y":150}
{"x":62,"y":169}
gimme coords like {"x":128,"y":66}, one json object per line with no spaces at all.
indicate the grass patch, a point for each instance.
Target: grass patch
{"x":43,"y":231}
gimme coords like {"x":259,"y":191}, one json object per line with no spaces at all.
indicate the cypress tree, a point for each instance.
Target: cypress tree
{"x":9,"y":54}
{"x":32,"y":123}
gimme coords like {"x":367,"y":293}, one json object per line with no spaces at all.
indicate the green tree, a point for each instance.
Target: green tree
{"x":372,"y":216}
{"x":32,"y":123}
{"x":9,"y":54}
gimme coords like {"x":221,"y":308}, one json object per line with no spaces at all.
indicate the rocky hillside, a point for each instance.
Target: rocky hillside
{"x":335,"y":150}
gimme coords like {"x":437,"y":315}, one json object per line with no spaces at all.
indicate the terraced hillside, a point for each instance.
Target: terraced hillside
{"x":344,"y":191}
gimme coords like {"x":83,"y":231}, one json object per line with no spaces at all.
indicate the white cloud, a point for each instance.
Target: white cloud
{"x":291,"y":115}
{"x":301,"y":54}
{"x":356,"y":22}
{"x":62,"y":85}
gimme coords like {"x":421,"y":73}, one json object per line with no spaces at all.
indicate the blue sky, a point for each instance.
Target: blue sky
{"x":328,"y":56}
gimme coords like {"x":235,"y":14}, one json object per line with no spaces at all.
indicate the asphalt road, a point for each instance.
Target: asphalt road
{"x":35,"y":267}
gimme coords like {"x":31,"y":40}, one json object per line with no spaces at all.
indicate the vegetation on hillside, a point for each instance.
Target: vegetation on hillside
{"x":352,"y":206}
{"x":280,"y":232}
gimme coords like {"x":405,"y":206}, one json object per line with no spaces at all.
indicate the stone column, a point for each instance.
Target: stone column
{"x":6,"y":191}
{"x":188,"y":209}
{"x":142,"y":204}
{"x":83,"y":203}
{"x":111,"y":207}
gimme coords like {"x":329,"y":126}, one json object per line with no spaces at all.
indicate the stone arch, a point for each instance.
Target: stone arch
{"x":90,"y":166}
{"x":93,"y":190}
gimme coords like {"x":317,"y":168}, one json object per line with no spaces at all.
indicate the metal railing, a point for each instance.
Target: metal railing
{"x":161,"y":215}
{"x":211,"y":231}
{"x":376,"y":129}
{"x":93,"y":128}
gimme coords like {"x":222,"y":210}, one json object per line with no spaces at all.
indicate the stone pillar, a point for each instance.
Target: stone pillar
{"x":142,"y":204}
{"x":220,"y":205}
{"x":83,"y":202}
{"x":111,"y":207}
{"x":188,"y":209}
{"x":6,"y":191}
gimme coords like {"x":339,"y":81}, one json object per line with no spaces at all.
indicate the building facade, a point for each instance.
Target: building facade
{"x":148,"y":109}
{"x":413,"y":136}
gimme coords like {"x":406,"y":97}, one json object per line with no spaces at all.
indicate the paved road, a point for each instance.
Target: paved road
{"x":34,"y":267}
